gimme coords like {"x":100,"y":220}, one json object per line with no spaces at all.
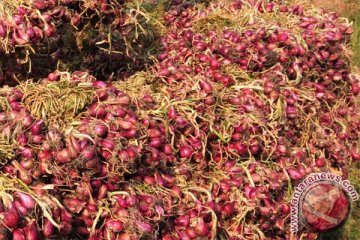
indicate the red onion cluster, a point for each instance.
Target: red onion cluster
{"x":109,"y":38}
{"x":205,"y":145}
{"x":31,"y":24}
{"x":83,"y":167}
{"x":30,"y":30}
{"x":268,"y":93}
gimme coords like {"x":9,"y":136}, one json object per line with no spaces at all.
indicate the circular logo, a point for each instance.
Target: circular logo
{"x":324,"y":206}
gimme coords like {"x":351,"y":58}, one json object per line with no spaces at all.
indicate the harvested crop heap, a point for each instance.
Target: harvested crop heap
{"x":244,"y":100}
{"x":107,"y":38}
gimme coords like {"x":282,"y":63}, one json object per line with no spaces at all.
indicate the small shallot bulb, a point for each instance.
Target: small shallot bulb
{"x":114,"y":225}
{"x":30,"y":231}
{"x":48,"y":228}
{"x":186,"y":151}
{"x":37,"y":126}
{"x":201,"y":228}
{"x":54,"y":76}
{"x":143,"y":227}
{"x":18,"y":234}
{"x":294,"y":174}
{"x":100,"y":129}
{"x":26,"y":200}
{"x":10,"y":218}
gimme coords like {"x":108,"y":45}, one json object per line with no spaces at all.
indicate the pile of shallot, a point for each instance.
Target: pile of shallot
{"x":110,"y":39}
{"x":244,"y":99}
